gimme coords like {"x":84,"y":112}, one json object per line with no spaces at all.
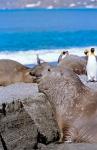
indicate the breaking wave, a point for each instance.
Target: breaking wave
{"x":29,"y":56}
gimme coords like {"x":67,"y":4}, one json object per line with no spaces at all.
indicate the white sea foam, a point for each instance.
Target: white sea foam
{"x":72,"y":5}
{"x":50,"y":7}
{"x":29,"y":57}
{"x":33,"y":4}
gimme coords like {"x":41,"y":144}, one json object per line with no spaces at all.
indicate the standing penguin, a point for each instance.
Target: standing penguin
{"x":91,"y":67}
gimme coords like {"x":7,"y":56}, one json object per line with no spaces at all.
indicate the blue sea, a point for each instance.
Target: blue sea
{"x":27,"y":32}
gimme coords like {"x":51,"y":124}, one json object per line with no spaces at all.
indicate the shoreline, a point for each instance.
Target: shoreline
{"x":33,"y":65}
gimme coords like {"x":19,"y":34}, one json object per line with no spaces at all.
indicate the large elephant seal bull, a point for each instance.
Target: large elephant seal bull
{"x":73,"y":62}
{"x":12,"y":71}
{"x":74,"y":105}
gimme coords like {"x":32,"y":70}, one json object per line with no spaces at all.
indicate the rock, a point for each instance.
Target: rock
{"x":17,"y":127}
{"x":28,"y":120}
{"x":18,"y":130}
{"x":70,"y":147}
{"x":1,"y":148}
{"x":41,"y":112}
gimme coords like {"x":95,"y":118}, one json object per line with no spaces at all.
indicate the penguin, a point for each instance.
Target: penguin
{"x":63,"y":55}
{"x":91,"y":67}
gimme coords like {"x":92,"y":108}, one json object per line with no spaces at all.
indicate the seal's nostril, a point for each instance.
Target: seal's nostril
{"x":38,"y":75}
{"x":32,"y":74}
{"x":49,"y":70}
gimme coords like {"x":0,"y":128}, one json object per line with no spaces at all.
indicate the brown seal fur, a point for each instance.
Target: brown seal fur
{"x":75,"y":63}
{"x":40,"y":70}
{"x":12,"y":71}
{"x":74,"y":105}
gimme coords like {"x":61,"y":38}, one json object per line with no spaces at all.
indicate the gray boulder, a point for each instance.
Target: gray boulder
{"x":28,"y":120}
{"x":18,"y":130}
{"x":68,"y":147}
{"x":41,"y":113}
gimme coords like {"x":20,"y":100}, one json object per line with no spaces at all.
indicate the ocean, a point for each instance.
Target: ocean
{"x":27,"y":32}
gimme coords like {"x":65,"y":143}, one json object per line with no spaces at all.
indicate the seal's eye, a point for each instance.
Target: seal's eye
{"x":49,"y":70}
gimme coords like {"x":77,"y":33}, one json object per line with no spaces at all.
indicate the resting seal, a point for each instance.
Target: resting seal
{"x":12,"y":72}
{"x":40,"y":69}
{"x":74,"y":105}
{"x":73,"y":62}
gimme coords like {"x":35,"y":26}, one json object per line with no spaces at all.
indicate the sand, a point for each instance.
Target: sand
{"x":92,"y":85}
{"x":17,"y":91}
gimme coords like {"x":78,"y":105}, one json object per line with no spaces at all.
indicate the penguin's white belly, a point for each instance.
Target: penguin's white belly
{"x":63,"y":56}
{"x":92,"y":68}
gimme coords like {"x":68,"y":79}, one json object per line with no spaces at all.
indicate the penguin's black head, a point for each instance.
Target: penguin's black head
{"x":65,"y":52}
{"x":92,"y":50}
{"x":86,"y":52}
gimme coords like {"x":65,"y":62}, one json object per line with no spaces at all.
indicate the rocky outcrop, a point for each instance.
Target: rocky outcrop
{"x":68,"y":147}
{"x":1,"y":147}
{"x":27,"y":122}
{"x":18,"y":130}
{"x":41,"y":113}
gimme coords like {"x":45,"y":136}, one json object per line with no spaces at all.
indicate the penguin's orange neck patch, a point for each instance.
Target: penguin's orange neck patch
{"x":91,"y":54}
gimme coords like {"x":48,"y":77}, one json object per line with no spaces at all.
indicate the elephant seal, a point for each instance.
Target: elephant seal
{"x":12,"y":71}
{"x":40,"y":69}
{"x":73,"y":62}
{"x":74,"y":105}
{"x":91,"y":67}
